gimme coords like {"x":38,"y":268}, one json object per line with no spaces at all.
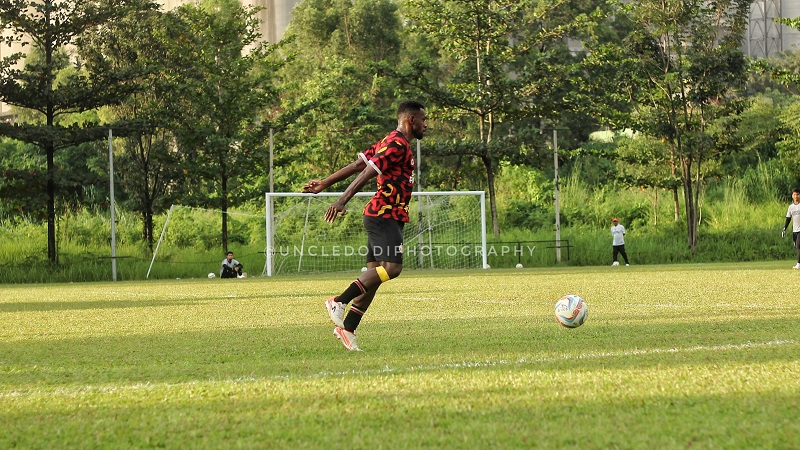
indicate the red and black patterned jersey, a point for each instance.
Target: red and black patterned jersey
{"x":394,"y":161}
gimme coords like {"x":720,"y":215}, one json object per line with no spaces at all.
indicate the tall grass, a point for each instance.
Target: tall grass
{"x":191,"y":247}
{"x":741,"y":221}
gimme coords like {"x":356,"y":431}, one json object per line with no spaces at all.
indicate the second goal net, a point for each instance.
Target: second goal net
{"x":447,"y":230}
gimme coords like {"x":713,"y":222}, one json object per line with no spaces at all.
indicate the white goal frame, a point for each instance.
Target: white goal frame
{"x":269,"y":267}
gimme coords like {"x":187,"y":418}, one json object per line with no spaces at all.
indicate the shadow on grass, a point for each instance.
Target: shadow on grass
{"x":78,"y":305}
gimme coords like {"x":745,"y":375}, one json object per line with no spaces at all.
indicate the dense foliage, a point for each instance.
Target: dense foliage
{"x":648,"y":97}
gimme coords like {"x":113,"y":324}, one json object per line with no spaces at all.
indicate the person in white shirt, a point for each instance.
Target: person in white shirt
{"x":793,"y":216}
{"x":231,"y":268}
{"x":618,"y":236}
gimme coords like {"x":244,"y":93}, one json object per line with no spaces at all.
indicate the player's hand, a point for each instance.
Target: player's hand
{"x":335,"y":210}
{"x":783,"y":233}
{"x":313,"y":187}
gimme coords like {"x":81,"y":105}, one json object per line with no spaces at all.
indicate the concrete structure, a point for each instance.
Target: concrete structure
{"x":274,"y":17}
{"x":765,"y":37}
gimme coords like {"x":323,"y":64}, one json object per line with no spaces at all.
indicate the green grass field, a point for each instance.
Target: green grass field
{"x":671,"y":357}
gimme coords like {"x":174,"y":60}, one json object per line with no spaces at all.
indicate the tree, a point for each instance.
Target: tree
{"x":333,"y":46}
{"x":50,"y":26}
{"x":685,"y":68}
{"x":225,"y":82}
{"x":498,"y":61}
{"x":146,"y":160}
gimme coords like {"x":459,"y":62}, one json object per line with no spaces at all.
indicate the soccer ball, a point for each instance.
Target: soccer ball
{"x":571,"y":311}
{"x":615,"y":263}
{"x":363,"y":269}
{"x":211,"y":275}
{"x":519,"y":265}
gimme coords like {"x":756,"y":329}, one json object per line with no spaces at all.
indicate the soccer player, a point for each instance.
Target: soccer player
{"x":392,"y":162}
{"x":793,"y":216}
{"x":231,"y":268}
{"x":618,"y":241}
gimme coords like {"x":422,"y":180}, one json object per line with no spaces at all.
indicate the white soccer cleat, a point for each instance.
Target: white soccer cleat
{"x":796,"y":266}
{"x":627,"y":265}
{"x":336,"y":311}
{"x":347,"y":339}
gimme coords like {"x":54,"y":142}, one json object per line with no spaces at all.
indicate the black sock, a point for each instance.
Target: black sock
{"x":353,"y":318}
{"x":354,"y":290}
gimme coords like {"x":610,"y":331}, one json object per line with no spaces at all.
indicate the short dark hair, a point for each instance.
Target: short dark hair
{"x":796,"y":190}
{"x":228,"y":253}
{"x":409,"y":107}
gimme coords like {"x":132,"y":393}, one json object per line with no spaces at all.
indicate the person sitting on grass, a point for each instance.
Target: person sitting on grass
{"x":231,"y":268}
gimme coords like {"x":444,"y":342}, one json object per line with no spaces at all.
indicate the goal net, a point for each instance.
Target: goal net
{"x":447,"y":230}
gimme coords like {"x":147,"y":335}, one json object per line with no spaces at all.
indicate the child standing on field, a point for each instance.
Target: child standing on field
{"x":618,"y":242}
{"x":793,"y":216}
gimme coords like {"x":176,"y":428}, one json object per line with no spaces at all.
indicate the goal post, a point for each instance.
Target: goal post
{"x":447,"y":230}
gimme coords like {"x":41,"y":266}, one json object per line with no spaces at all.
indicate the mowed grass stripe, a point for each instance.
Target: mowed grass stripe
{"x":464,"y":365}
{"x":699,"y":356}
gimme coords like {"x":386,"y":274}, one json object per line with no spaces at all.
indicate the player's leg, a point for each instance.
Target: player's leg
{"x":797,"y":247}
{"x":384,"y":262}
{"x":227,"y":272}
{"x":624,"y":254}
{"x":359,"y":305}
{"x":614,"y":253}
{"x":384,"y":249}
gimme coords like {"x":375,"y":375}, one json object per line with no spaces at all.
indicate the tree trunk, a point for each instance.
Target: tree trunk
{"x":691,"y":206}
{"x":52,"y":255}
{"x":487,"y":162}
{"x":50,"y":115}
{"x":676,"y":203}
{"x":655,"y":207}
{"x":224,"y":207}
{"x":148,"y":226}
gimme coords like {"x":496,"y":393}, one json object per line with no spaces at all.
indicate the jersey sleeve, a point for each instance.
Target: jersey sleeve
{"x":387,"y":154}
{"x":367,"y":154}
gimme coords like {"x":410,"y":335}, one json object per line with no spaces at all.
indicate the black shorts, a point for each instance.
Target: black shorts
{"x":384,"y":239}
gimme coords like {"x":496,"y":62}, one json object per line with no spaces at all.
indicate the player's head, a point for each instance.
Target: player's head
{"x":614,"y":220}
{"x":229,"y":255}
{"x":413,"y":113}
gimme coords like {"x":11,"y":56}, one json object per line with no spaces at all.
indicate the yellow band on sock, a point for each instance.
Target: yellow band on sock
{"x":382,"y":273}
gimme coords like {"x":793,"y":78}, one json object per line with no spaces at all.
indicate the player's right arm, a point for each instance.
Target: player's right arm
{"x":316,"y":186}
{"x":338,"y":207}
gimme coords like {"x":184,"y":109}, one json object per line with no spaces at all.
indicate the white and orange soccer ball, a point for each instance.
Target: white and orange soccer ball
{"x":571,"y":311}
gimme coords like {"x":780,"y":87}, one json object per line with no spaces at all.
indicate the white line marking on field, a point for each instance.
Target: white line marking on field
{"x":389,"y":370}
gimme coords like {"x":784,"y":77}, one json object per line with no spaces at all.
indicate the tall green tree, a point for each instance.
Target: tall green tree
{"x":51,"y":26}
{"x":498,"y":61}
{"x":146,"y":159}
{"x":225,"y":74}
{"x":333,"y":46}
{"x":684,"y":70}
